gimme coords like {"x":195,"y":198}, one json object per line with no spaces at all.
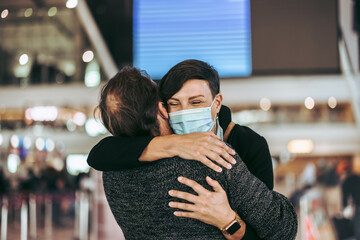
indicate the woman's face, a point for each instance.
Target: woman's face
{"x":195,"y":93}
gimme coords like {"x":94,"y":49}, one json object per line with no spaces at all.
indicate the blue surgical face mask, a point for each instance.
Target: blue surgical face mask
{"x":192,"y":120}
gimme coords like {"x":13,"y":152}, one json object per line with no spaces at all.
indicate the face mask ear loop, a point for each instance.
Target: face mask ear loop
{"x":212,"y":102}
{"x":216,"y":123}
{"x":217,"y":115}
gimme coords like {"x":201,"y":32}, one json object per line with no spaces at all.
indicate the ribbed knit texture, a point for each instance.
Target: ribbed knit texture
{"x":139,"y":200}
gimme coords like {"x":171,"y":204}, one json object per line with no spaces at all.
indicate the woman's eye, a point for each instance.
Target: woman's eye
{"x":196,"y":102}
{"x":173,"y":104}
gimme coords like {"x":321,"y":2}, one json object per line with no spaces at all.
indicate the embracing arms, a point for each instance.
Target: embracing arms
{"x":114,"y":153}
{"x":200,"y":146}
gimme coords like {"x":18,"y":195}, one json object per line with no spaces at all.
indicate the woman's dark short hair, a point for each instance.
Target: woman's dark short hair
{"x":129,"y":104}
{"x":175,"y":78}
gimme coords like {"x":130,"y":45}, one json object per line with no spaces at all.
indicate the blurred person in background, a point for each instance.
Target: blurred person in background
{"x":138,"y":197}
{"x":4,"y":183}
{"x":351,"y":193}
{"x":307,"y":180}
{"x":30,"y":184}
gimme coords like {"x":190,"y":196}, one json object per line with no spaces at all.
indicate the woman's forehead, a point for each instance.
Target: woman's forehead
{"x":194,"y":87}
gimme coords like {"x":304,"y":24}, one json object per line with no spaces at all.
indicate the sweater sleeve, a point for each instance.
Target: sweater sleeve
{"x":269,"y":213}
{"x":250,"y":234}
{"x":115,"y":153}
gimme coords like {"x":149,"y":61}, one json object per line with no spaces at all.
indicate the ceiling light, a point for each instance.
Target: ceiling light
{"x":40,"y":144}
{"x":309,"y":103}
{"x":265,"y":104}
{"x":50,"y":145}
{"x":332,"y":102}
{"x":4,"y":13}
{"x":15,"y":141}
{"x":24,"y":59}
{"x":71,"y":3}
{"x":300,"y":146}
{"x":46,"y":113}
{"x":79,"y":118}
{"x":27,"y":142}
{"x":52,"y":11}
{"x":13,"y":162}
{"x":28,"y":12}
{"x":88,"y":56}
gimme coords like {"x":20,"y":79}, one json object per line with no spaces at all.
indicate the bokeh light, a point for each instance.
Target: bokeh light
{"x":332,"y":102}
{"x":94,"y":128}
{"x":40,"y":144}
{"x":71,"y":3}
{"x":4,"y":13}
{"x":309,"y":103}
{"x":300,"y":146}
{"x":50,"y":145}
{"x":28,"y":12}
{"x":42,"y":113}
{"x":265,"y":104}
{"x":24,"y":59}
{"x":79,"y":118}
{"x":88,"y":56}
{"x":76,"y":163}
{"x":15,"y":141}
{"x":27,"y":142}
{"x":13,"y":162}
{"x":52,"y":11}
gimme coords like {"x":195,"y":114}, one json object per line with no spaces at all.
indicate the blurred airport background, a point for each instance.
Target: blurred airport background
{"x":289,"y":70}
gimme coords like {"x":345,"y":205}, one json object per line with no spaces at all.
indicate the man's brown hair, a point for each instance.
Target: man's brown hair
{"x":129,"y":104}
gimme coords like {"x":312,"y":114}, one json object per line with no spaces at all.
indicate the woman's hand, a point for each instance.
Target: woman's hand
{"x":204,"y":147}
{"x":209,"y":207}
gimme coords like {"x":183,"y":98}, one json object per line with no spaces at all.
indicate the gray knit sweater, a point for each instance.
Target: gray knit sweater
{"x":139,"y":199}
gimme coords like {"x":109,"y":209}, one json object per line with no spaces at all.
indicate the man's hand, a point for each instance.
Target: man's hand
{"x":204,"y":147}
{"x":209,"y":207}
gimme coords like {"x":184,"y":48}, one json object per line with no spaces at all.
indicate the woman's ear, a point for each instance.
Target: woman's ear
{"x":162,"y":110}
{"x":218,"y":102}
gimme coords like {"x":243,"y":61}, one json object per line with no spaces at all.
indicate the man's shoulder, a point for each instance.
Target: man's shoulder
{"x":160,"y":168}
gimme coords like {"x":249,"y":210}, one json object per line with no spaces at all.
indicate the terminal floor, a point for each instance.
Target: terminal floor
{"x":58,"y":233}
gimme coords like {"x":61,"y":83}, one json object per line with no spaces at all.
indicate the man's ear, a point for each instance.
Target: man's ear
{"x":218,"y":102}
{"x":162,"y":110}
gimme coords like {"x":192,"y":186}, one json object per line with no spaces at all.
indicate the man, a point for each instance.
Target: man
{"x":139,"y":198}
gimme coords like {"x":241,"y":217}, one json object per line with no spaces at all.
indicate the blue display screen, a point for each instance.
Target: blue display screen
{"x":169,"y":31}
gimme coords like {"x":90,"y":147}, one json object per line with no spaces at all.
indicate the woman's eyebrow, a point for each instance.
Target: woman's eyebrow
{"x":196,"y":96}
